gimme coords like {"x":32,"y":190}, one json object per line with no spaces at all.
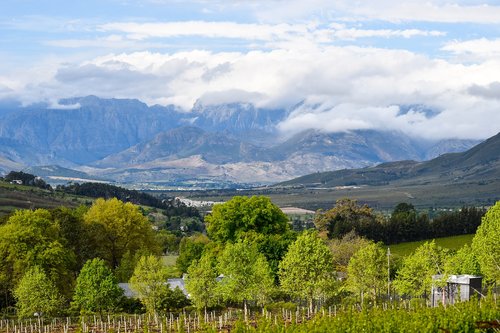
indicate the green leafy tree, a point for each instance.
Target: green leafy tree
{"x":73,"y":230}
{"x":486,"y":244}
{"x":36,"y":293}
{"x":414,"y":278}
{"x":242,"y":214}
{"x":201,"y":281}
{"x":149,"y":281}
{"x":343,"y":249}
{"x":366,"y":275}
{"x":247,"y":276}
{"x":118,"y":227}
{"x":96,"y":288}
{"x":190,"y":249}
{"x":307,"y":269}
{"x":32,"y":238}
{"x":463,"y":262}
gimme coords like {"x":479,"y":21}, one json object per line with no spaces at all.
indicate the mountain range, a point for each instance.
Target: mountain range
{"x":480,"y":164}
{"x":127,"y":141}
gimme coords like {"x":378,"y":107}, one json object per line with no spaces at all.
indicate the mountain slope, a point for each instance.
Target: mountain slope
{"x":480,"y":163}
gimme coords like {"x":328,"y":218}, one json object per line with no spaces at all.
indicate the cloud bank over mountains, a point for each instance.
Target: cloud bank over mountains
{"x":348,"y":66}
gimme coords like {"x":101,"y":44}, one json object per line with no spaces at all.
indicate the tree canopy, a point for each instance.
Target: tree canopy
{"x":414,"y":278}
{"x":242,"y":214}
{"x":307,"y":269}
{"x":247,"y":275}
{"x":486,"y":244}
{"x":149,"y":281}
{"x":36,"y":293}
{"x":119,"y":227}
{"x":347,"y":215}
{"x":366,"y":275}
{"x":96,"y":288}
{"x":201,"y":281}
{"x":32,"y":238}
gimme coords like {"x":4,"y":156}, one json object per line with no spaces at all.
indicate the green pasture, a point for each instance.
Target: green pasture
{"x":452,"y":243}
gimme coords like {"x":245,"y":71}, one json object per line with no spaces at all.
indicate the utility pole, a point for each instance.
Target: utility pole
{"x":388,"y":273}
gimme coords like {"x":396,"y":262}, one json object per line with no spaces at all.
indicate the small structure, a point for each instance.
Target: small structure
{"x":457,"y":288}
{"x":172,"y":283}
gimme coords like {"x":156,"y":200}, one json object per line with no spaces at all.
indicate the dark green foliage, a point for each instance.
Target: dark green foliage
{"x":464,"y":221}
{"x":405,"y":223}
{"x":346,"y":216}
{"x":27,"y":179}
{"x":190,"y":249}
{"x":171,"y":206}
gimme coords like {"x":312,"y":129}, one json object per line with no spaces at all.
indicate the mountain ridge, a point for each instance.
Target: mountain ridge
{"x":235,"y":142}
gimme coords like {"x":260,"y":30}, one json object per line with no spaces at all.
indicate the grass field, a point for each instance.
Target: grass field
{"x":452,"y":243}
{"x":169,"y":260}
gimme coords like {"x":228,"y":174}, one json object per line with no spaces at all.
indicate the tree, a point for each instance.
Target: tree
{"x":242,"y":214}
{"x":149,"y":281}
{"x":486,"y":244}
{"x":96,"y":288}
{"x":32,"y":238}
{"x":463,"y":262}
{"x":307,"y":269}
{"x":201,"y":281}
{"x":190,"y":249}
{"x":414,"y":278}
{"x":247,"y":276}
{"x":366,"y":273}
{"x":343,"y":249}
{"x":36,"y":293}
{"x":346,"y":216}
{"x":74,"y":231}
{"x":118,"y":227}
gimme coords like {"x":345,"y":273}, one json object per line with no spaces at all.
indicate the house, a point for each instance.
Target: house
{"x":457,"y":288}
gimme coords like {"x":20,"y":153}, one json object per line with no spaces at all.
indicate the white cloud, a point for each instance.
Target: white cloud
{"x":343,"y":87}
{"x":474,"y":50}
{"x":256,"y":32}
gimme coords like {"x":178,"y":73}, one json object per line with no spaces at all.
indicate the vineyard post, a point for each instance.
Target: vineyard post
{"x":388,"y":273}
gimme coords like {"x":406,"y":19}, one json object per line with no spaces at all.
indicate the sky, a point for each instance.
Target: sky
{"x":428,"y":68}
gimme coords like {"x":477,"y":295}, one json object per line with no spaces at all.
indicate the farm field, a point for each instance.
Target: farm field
{"x":14,"y":197}
{"x":452,"y":243}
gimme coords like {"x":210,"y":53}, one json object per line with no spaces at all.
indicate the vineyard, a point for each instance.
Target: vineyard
{"x":405,"y":316}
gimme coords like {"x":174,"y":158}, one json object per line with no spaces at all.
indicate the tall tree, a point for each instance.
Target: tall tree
{"x":96,"y":288}
{"x":190,"y":249}
{"x":242,"y":214}
{"x":201,"y":281}
{"x":36,"y":293}
{"x":149,"y":281}
{"x":347,"y":215}
{"x":366,"y":275}
{"x":118,"y":227}
{"x":32,"y":238}
{"x":247,"y":276}
{"x":463,"y":262}
{"x":343,"y":249}
{"x":414,"y":278}
{"x":486,"y":244}
{"x":307,"y":269}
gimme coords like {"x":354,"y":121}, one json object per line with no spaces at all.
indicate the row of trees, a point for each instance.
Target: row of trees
{"x":403,"y":225}
{"x":250,"y":254}
{"x":311,"y":266}
{"x":61,"y":241}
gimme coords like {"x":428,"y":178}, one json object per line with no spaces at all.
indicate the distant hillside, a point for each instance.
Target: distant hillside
{"x":209,"y":145}
{"x":479,"y":164}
